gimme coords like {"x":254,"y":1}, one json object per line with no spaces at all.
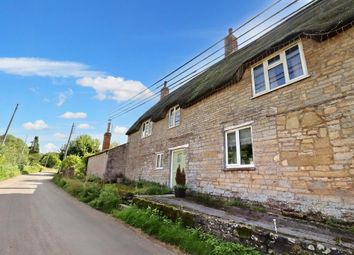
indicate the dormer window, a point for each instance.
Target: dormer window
{"x":279,"y":70}
{"x":146,"y":129}
{"x":174,"y":116}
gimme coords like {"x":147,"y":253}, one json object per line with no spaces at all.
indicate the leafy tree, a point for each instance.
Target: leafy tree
{"x":14,"y":152}
{"x":50,"y":160}
{"x":82,"y":145}
{"x":34,"y":148}
{"x":113,"y":144}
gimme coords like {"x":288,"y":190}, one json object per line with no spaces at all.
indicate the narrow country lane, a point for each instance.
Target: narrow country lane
{"x":37,"y":218}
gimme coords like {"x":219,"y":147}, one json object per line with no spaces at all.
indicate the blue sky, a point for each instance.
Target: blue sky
{"x":76,"y":61}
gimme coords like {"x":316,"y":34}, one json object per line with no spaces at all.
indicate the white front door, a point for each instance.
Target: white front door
{"x":178,"y":159}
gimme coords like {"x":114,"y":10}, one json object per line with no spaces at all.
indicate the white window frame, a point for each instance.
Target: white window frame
{"x":236,"y":130}
{"x":173,"y":116}
{"x":144,"y":132}
{"x":284,"y":63}
{"x":159,"y":160}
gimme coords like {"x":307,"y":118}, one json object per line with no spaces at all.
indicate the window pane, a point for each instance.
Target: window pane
{"x":273,"y":60}
{"x":294,"y":62}
{"x":177,"y":116}
{"x":231,"y":148}
{"x":246,"y":146}
{"x":276,"y":76}
{"x":259,"y":84}
{"x":172,"y":116}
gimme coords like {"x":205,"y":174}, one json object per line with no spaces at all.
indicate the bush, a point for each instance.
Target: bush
{"x":89,"y":192}
{"x":190,"y":240}
{"x":50,"y":160}
{"x":30,"y":169}
{"x":8,"y":171}
{"x":107,"y":200}
{"x":76,"y":163}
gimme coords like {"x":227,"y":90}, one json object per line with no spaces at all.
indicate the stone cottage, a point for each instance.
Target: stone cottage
{"x":272,"y":122}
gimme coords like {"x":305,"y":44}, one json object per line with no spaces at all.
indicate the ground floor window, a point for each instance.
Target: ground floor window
{"x":159,"y":160}
{"x":238,"y":147}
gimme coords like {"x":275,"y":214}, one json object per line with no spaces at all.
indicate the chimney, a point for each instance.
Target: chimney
{"x":164,"y":91}
{"x":107,"y":137}
{"x":230,"y":43}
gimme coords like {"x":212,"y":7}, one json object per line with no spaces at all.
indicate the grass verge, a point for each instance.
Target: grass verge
{"x":190,"y":240}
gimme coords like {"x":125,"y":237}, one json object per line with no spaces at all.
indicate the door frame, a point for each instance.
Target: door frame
{"x":175,"y":149}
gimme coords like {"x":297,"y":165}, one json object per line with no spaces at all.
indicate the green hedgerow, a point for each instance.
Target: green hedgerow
{"x":107,"y":200}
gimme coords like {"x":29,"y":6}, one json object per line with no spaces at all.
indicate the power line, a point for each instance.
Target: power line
{"x":201,"y":53}
{"x":126,"y":109}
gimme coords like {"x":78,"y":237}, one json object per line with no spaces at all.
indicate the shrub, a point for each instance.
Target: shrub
{"x":180,"y":177}
{"x":50,"y":160}
{"x":30,"y":169}
{"x":89,"y":192}
{"x":107,"y":200}
{"x":74,"y":187}
{"x":8,"y":171}
{"x":76,"y":163}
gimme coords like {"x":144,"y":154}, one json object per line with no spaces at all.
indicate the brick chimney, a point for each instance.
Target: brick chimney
{"x":107,"y":137}
{"x":230,"y":43}
{"x":164,"y":91}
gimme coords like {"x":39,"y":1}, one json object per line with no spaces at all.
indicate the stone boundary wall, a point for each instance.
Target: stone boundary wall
{"x":262,"y":239}
{"x":108,"y":164}
{"x":96,"y":165}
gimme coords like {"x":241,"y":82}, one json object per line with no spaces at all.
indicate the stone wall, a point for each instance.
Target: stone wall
{"x":108,"y":164}
{"x":96,"y":165}
{"x":303,"y":138}
{"x":116,"y":162}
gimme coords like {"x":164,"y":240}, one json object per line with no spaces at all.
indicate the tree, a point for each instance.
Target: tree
{"x":14,"y":152}
{"x":113,"y":144}
{"x":81,"y":146}
{"x":34,"y":148}
{"x":50,"y":160}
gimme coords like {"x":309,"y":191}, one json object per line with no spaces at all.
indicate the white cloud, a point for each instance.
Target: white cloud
{"x":60,"y":135}
{"x":73,"y":115}
{"x":120,"y":130}
{"x":116,"y":88}
{"x":46,"y":68}
{"x":63,"y":96}
{"x":84,"y":126}
{"x":37,"y":125}
{"x":50,"y":147}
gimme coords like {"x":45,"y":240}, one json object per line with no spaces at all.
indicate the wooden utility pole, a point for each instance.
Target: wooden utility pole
{"x":8,"y":126}
{"x":67,"y":144}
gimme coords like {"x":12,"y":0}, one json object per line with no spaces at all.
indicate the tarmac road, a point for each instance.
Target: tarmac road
{"x":38,"y":218}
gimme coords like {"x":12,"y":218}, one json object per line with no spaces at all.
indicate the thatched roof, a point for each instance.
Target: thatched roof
{"x":318,"y":21}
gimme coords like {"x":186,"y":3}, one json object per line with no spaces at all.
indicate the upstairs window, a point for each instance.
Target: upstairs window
{"x":146,"y":128}
{"x":279,"y":70}
{"x":239,"y":150}
{"x":174,"y":116}
{"x":159,"y":160}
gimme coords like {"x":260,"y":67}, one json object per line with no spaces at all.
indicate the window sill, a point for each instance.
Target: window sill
{"x":160,"y":168}
{"x":282,"y":86}
{"x":240,"y":168}
{"x":173,"y":127}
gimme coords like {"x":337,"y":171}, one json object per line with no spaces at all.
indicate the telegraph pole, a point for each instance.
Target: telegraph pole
{"x":8,"y":126}
{"x":67,"y":144}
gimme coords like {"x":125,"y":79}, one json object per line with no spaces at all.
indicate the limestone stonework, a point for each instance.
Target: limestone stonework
{"x":108,"y":164}
{"x":303,"y":137}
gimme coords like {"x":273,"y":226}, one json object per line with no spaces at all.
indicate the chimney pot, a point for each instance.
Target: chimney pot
{"x":230,"y":43}
{"x":164,"y":91}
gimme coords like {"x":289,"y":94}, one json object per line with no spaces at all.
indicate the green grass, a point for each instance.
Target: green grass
{"x":190,"y":240}
{"x":339,"y":224}
{"x":104,"y":197}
